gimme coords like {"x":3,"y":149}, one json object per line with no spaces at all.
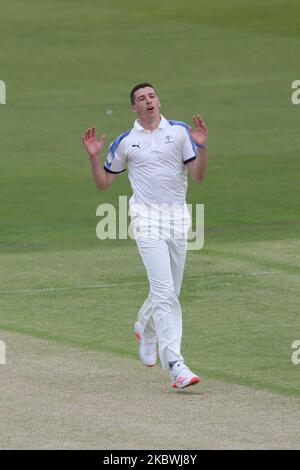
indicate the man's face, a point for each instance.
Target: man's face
{"x":146,"y":103}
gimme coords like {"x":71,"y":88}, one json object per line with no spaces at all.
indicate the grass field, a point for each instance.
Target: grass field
{"x":65,"y":64}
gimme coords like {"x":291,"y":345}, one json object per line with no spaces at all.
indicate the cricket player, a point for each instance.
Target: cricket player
{"x":158,"y":154}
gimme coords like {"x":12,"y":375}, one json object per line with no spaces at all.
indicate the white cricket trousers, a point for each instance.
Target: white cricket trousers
{"x":160,"y":314}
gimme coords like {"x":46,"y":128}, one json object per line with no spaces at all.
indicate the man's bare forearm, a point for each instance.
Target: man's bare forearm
{"x":199,"y":165}
{"x":93,"y":147}
{"x":99,"y":174}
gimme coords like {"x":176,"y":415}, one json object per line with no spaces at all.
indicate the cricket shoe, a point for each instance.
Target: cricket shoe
{"x":147,"y":346}
{"x":182,"y":376}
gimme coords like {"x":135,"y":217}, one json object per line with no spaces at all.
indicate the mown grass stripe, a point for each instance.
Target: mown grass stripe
{"x":259,"y":261}
{"x":127,"y":284}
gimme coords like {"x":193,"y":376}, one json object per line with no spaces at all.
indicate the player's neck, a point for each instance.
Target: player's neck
{"x":151,"y":123}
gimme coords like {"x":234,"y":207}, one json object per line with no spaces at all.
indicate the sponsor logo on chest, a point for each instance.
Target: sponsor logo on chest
{"x":169,"y":139}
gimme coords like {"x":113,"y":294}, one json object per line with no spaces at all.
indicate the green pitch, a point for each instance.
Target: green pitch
{"x":69,"y":65}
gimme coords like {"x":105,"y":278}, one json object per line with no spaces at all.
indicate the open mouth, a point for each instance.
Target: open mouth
{"x":150,"y":109}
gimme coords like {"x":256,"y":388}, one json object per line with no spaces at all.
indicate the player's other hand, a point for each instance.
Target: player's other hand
{"x":92,"y":144}
{"x":199,"y":134}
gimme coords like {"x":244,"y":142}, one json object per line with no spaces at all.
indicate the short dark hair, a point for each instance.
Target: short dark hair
{"x":137,"y":87}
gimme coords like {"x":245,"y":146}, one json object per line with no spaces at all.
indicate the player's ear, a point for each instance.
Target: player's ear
{"x":133,"y":108}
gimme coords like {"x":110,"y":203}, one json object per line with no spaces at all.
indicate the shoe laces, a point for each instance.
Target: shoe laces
{"x":178,"y":369}
{"x":150,"y":347}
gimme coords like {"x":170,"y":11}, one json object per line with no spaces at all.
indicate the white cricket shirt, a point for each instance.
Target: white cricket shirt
{"x":155,"y":161}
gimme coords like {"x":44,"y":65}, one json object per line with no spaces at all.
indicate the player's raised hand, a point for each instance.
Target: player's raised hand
{"x":92,"y":144}
{"x":199,"y":134}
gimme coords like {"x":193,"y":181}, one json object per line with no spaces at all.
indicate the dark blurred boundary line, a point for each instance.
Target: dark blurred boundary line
{"x":147,"y":458}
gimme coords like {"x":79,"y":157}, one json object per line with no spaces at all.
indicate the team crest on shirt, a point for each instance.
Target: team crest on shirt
{"x":169,"y":139}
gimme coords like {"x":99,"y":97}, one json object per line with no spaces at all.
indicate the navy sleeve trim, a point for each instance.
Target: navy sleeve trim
{"x":190,"y":159}
{"x":114,"y":172}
